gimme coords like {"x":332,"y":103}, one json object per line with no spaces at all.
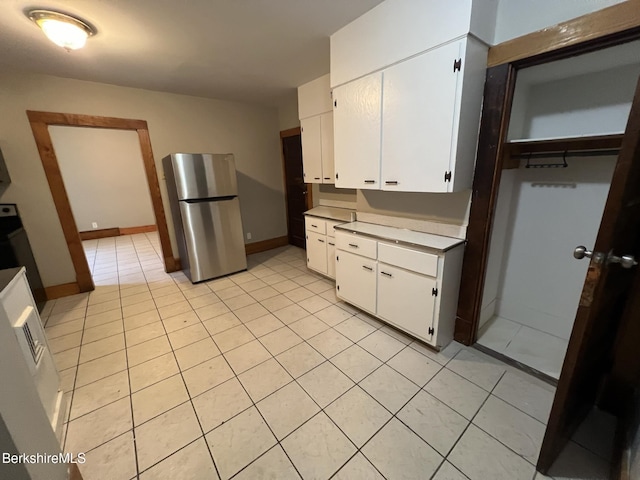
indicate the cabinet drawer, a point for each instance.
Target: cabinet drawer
{"x":414,"y":260}
{"x":315,"y":224}
{"x":356,"y":244}
{"x":330,"y":231}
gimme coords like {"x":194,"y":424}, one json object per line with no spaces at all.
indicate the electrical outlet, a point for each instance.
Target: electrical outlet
{"x":248,"y":235}
{"x":94,"y":225}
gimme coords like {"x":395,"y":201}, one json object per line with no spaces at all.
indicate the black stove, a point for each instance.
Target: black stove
{"x":15,"y":250}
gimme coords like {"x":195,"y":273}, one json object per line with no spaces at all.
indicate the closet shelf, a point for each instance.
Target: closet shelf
{"x":565,"y":144}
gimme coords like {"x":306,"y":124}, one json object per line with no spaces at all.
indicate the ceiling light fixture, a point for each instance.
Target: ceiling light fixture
{"x":66,"y":31}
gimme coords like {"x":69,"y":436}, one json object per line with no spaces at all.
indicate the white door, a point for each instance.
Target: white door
{"x":317,"y":252}
{"x":331,"y":258}
{"x":417,"y":121}
{"x":311,"y":149}
{"x":356,"y":280}
{"x":406,"y":299}
{"x":326,"y":138}
{"x":356,"y":130}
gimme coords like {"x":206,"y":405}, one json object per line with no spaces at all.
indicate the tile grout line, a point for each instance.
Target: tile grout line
{"x":126,"y":350}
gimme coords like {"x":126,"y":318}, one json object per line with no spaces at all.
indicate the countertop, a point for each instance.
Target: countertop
{"x":428,"y":241}
{"x":332,"y":213}
{"x":7,"y":275}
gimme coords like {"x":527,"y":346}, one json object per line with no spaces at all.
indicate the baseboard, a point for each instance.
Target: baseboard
{"x":63,"y":290}
{"x":265,"y":245}
{"x":116,"y":232}
{"x":141,"y":229}
{"x":103,"y":233}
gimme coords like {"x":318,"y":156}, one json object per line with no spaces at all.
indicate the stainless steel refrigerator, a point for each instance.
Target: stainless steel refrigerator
{"x":203,"y":193}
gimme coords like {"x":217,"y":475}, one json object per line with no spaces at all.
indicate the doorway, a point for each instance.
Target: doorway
{"x":562,"y":143}
{"x":40,"y":122}
{"x":607,"y":285}
{"x":297,"y":193}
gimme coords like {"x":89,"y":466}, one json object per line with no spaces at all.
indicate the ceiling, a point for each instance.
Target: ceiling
{"x":246,"y":50}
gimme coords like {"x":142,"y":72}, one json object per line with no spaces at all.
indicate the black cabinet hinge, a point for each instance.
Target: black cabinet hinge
{"x":335,"y":102}
{"x":447,"y":176}
{"x":336,"y":175}
{"x":431,"y":331}
{"x":457,"y":65}
{"x":434,"y":292}
{"x":337,"y":257}
{"x":338,"y":287}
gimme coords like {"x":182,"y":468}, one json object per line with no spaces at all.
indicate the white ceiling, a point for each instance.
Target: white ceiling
{"x":247,"y":50}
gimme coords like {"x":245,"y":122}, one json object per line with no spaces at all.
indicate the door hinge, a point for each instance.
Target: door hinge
{"x":337,"y":257}
{"x":457,"y":65}
{"x":335,"y":102}
{"x":336,"y":175}
{"x":447,"y":176}
{"x":307,"y":259}
{"x":431,"y":331}
{"x":434,"y":292}
{"x":338,"y":287}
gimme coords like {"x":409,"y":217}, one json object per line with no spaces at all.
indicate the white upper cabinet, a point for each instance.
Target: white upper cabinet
{"x":311,"y":149}
{"x":316,"y":122}
{"x":326,"y":154}
{"x":314,"y":97}
{"x":357,"y":120}
{"x":408,"y":79}
{"x":413,"y":127}
{"x":399,"y":29}
{"x":418,"y":118}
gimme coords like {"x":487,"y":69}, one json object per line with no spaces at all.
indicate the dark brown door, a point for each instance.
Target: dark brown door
{"x":608,"y":291}
{"x":297,"y":194}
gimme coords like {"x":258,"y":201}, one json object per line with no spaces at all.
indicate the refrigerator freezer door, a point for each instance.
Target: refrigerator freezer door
{"x":204,"y":175}
{"x":213,"y":238}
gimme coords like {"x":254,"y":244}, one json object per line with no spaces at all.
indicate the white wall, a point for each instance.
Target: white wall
{"x":176,"y":123}
{"x":104,"y":176}
{"x":591,"y":104}
{"x":519,"y":17}
{"x":288,"y":111}
{"x":552,"y":212}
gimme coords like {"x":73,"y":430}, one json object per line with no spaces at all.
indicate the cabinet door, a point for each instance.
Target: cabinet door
{"x":311,"y":149}
{"x":356,"y":130}
{"x":418,"y":119}
{"x":356,"y":280}
{"x":317,"y":252}
{"x":406,"y":300}
{"x":326,"y":139}
{"x":331,"y":258}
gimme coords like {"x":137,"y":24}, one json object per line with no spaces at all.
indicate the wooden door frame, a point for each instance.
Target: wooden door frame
{"x":611,"y":26}
{"x":40,"y":122}
{"x":292,"y":132}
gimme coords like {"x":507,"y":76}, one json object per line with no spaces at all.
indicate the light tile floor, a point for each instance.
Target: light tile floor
{"x":266,"y":374}
{"x":534,"y":348}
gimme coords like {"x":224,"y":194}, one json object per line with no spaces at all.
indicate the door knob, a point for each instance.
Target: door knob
{"x":581,"y":251}
{"x":625,"y":261}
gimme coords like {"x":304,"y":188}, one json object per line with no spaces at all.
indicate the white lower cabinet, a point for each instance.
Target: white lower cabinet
{"x":356,"y":280}
{"x":317,"y":252}
{"x":409,"y":288}
{"x":407,"y":300}
{"x":321,"y":245}
{"x":331,"y":257}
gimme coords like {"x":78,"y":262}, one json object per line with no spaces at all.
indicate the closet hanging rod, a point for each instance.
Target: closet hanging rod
{"x":566,"y":154}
